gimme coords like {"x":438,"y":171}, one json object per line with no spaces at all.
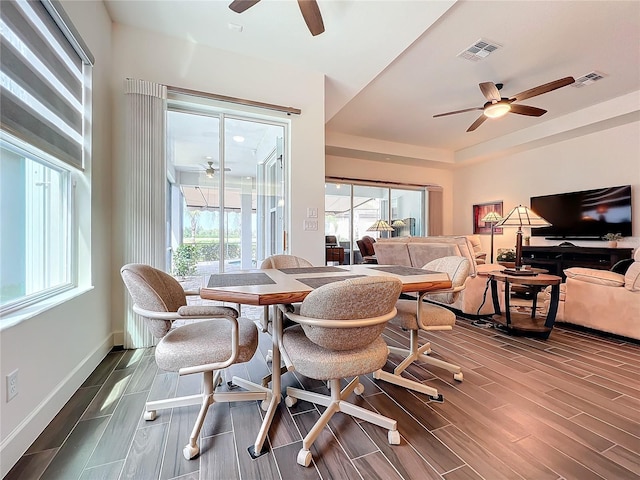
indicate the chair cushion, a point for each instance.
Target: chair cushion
{"x":431,"y":315}
{"x":314,"y":361}
{"x":204,"y":342}
{"x":599,"y":277}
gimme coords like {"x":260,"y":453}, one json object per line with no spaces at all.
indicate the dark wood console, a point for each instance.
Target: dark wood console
{"x":556,"y":259}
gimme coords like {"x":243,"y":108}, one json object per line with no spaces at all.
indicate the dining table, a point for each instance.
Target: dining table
{"x":291,"y":285}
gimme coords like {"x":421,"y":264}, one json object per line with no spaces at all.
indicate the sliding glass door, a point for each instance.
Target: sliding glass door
{"x":351,"y":210}
{"x":226,"y":179}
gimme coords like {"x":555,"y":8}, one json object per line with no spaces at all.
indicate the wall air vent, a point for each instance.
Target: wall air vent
{"x":479,"y":50}
{"x":588,"y":79}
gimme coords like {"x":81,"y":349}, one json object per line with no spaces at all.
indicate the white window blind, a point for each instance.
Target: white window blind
{"x":44,"y":71}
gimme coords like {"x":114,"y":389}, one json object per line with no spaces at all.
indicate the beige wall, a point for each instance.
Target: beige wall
{"x":56,"y":349}
{"x":605,"y":158}
{"x":148,"y":56}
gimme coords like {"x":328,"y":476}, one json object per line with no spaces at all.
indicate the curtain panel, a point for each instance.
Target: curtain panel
{"x":145,"y":221}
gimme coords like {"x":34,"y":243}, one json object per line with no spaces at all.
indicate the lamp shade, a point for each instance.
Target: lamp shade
{"x":380,"y":226}
{"x":522,"y":216}
{"x":491,"y":217}
{"x":398,"y":224}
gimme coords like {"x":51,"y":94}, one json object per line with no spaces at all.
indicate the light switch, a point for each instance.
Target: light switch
{"x":311,"y":225}
{"x":312,"y":212}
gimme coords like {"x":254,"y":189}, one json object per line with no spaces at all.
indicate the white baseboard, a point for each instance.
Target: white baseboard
{"x":118,"y":338}
{"x":27,"y":431}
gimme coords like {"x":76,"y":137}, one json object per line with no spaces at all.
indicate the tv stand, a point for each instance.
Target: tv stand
{"x":556,"y":259}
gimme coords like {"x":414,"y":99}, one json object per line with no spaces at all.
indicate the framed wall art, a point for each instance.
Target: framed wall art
{"x":479,"y":212}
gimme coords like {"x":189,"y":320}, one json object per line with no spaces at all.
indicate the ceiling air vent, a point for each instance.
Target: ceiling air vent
{"x":479,"y":50}
{"x":588,"y":79}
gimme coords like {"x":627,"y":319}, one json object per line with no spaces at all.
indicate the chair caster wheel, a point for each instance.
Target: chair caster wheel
{"x":359,"y":390}
{"x":437,"y":398}
{"x":458,"y":376}
{"x":394,"y":437}
{"x":190,"y":452}
{"x":150,"y":415}
{"x":304,"y":458}
{"x":290,"y":401}
{"x":264,"y":405}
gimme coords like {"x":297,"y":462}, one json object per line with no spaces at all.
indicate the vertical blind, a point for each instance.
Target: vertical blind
{"x":43,"y":75}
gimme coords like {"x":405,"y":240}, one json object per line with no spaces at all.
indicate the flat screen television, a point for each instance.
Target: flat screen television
{"x":589,"y":214}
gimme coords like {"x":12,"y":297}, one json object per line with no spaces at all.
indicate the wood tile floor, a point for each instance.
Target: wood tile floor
{"x":564,"y":408}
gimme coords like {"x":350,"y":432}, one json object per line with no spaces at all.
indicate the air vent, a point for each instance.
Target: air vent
{"x":479,"y":50}
{"x":588,"y":79}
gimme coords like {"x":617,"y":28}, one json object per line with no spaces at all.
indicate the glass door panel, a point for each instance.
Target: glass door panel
{"x":370,"y":204}
{"x":337,"y":217}
{"x":407,"y":207}
{"x":217,"y":189}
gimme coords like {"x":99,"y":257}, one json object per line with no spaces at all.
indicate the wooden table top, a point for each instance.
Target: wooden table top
{"x":287,"y":285}
{"x":539,"y":279}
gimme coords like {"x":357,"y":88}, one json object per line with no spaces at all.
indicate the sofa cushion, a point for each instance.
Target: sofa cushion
{"x":423,"y":253}
{"x":632,"y":277}
{"x":392,"y":253}
{"x":599,"y":277}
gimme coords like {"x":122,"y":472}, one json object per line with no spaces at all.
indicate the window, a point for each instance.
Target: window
{"x":352,"y":208}
{"x":45,"y":80}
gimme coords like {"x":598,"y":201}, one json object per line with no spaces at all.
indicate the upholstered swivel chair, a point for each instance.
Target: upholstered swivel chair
{"x":340,"y":335}
{"x":213,"y":340}
{"x":368,"y":253}
{"x":415,"y":316}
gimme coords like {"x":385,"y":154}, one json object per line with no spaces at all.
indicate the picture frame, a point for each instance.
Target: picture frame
{"x":479,"y":211}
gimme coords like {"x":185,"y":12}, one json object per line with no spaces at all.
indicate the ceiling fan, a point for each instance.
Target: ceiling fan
{"x":498,"y":106}
{"x":309,"y":8}
{"x":210,"y":171}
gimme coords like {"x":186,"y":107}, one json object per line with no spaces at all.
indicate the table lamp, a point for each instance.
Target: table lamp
{"x":520,"y":217}
{"x":491,"y":218}
{"x":380,"y":226}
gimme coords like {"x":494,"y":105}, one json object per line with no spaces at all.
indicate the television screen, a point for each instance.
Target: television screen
{"x":586,"y":214}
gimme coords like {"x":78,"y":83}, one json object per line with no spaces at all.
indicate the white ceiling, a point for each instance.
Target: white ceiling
{"x":392,"y":65}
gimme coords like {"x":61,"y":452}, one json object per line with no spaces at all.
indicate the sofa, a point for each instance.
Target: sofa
{"x":602,"y":300}
{"x":417,"y":251}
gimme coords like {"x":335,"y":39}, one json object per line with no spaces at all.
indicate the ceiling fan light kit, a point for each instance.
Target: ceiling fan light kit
{"x":498,"y":106}
{"x":498,"y":109}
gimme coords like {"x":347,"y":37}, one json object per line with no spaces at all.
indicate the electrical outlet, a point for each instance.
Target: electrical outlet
{"x":12,"y":385}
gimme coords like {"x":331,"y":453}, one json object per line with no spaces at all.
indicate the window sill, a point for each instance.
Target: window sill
{"x":13,"y":318}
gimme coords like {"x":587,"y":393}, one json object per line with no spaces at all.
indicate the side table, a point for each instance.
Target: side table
{"x":523,"y":323}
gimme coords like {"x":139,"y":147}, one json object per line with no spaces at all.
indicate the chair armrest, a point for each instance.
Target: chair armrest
{"x":331,"y":323}
{"x":595,"y":276}
{"x":190,"y":312}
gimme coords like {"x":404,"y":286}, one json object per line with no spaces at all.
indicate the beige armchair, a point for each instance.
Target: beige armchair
{"x":602,"y":300}
{"x":213,"y":339}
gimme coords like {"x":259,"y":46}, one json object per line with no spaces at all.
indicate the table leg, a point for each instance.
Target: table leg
{"x":553,"y":306}
{"x":257,"y":449}
{"x":507,"y":306}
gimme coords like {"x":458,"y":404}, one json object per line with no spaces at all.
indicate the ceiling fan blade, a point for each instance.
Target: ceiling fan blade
{"x":527,"y":110}
{"x":312,"y":17}
{"x":240,"y":6}
{"x":457,"y":111}
{"x":540,"y":89}
{"x":490,"y":91}
{"x":477,"y":123}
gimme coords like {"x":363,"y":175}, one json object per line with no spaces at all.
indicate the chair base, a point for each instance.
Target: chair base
{"x":413,"y":354}
{"x":207,"y":398}
{"x":336,"y":403}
